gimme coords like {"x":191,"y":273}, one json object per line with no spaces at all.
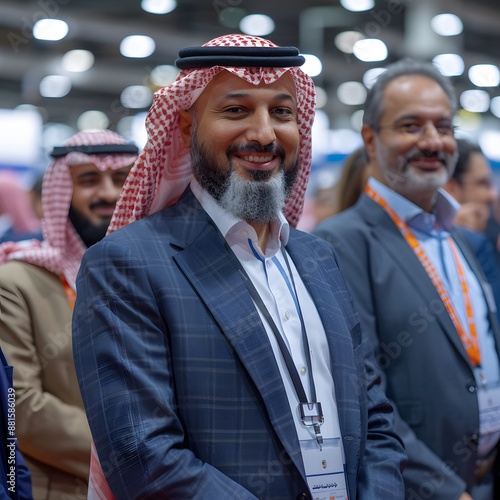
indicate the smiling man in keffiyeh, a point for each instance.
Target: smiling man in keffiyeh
{"x":37,"y":288}
{"x":216,"y":347}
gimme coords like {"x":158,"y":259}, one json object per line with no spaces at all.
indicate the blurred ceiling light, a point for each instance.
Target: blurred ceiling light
{"x":54,"y":134}
{"x":133,"y":128}
{"x":344,"y":141}
{"x":370,"y":50}
{"x":495,"y":106}
{"x":466,"y":121}
{"x":257,"y":25}
{"x":313,"y":66}
{"x":357,"y":5}
{"x":92,"y":119}
{"x":449,"y":64}
{"x":357,"y":119}
{"x":345,"y":41}
{"x":371,"y":75}
{"x":136,"y":97}
{"x":78,"y":60}
{"x":351,"y":93}
{"x":137,"y":46}
{"x":447,"y":24}
{"x":158,"y":6}
{"x":489,"y":140}
{"x":55,"y":86}
{"x":476,"y":101}
{"x":50,"y":29}
{"x":230,"y":17}
{"x":163,"y":75}
{"x":321,"y":97}
{"x":484,"y":75}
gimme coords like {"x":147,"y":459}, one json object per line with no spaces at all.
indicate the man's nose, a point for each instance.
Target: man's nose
{"x":108,"y":190}
{"x":430,"y":138}
{"x":261,"y":128}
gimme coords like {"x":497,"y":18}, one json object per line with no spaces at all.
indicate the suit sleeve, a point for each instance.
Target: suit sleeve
{"x":49,"y":430}
{"x":384,"y":457}
{"x":124,"y":366}
{"x":424,"y":468}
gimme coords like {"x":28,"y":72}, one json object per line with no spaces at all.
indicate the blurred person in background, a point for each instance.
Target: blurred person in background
{"x":37,"y":292}
{"x":420,"y":292}
{"x":35,"y":195}
{"x":472,"y":185}
{"x":18,"y":220}
{"x":355,"y":173}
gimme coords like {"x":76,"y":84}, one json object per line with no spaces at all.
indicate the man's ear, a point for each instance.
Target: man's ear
{"x":185,"y":126}
{"x":368,"y":135}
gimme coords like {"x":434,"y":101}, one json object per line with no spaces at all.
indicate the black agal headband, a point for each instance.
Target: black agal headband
{"x":98,"y":149}
{"x":265,"y":57}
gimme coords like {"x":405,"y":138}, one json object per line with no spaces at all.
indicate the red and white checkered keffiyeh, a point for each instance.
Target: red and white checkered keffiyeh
{"x":163,"y":169}
{"x":62,"y":249}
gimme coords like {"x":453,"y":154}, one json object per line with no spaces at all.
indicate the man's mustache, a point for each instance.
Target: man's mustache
{"x":257,"y":148}
{"x":416,"y":154}
{"x":102,"y":204}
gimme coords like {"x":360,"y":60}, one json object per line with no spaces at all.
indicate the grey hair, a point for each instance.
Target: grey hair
{"x":374,"y":104}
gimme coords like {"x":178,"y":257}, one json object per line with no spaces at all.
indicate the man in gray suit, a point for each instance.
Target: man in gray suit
{"x":425,"y":306}
{"x":217,"y":349}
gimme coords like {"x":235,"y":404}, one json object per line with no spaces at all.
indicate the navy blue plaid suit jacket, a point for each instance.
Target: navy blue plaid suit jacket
{"x":181,"y":388}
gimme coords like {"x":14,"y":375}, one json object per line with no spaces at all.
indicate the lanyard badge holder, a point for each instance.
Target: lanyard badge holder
{"x":312,"y":415}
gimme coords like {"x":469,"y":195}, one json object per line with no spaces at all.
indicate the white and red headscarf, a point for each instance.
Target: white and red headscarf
{"x":163,"y":169}
{"x":62,"y":249}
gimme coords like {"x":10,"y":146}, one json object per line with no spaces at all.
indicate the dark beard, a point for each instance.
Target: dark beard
{"x":260,"y":199}
{"x":89,"y":232}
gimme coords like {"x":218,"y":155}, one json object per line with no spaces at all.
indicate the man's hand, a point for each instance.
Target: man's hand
{"x":465,"y":496}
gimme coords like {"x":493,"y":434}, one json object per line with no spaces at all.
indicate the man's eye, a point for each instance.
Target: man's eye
{"x":87,"y":182}
{"x":283,"y":112}
{"x":233,"y":109}
{"x":410,"y":128}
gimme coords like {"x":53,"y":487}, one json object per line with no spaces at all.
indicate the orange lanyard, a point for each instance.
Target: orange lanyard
{"x":70,"y":293}
{"x":470,"y":342}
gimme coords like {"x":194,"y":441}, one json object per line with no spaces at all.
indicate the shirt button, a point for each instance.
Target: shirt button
{"x":303,"y":370}
{"x":244,"y":233}
{"x":287,"y":314}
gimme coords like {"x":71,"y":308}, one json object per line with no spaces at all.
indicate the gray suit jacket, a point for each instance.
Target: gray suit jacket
{"x":429,"y":377}
{"x":182,"y":391}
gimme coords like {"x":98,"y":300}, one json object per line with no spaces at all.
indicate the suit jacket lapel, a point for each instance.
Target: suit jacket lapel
{"x":389,"y":237}
{"x":205,"y":262}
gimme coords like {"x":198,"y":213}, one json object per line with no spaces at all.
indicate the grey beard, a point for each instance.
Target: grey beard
{"x":259,"y":201}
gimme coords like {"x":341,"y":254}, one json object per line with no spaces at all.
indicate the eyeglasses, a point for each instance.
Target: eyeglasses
{"x":413,"y":128}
